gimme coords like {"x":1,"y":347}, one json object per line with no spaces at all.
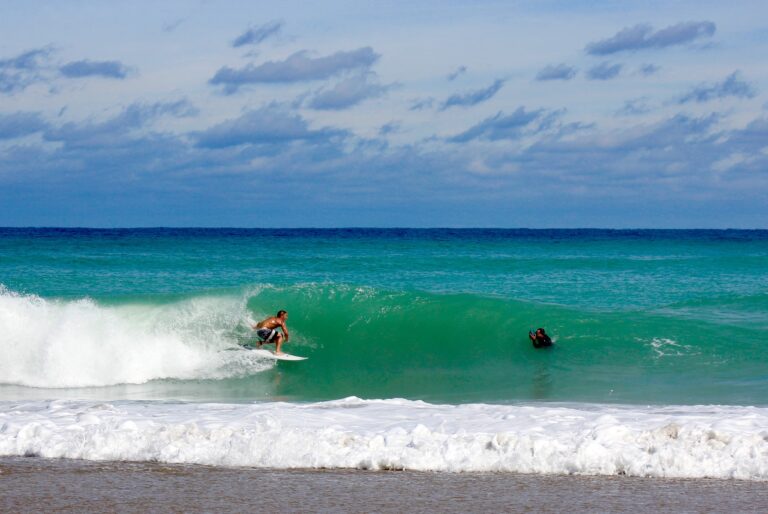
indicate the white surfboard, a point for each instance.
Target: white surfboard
{"x":280,"y":357}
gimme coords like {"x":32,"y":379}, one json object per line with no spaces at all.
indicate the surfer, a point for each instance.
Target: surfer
{"x":267,"y":331}
{"x":540,"y":339}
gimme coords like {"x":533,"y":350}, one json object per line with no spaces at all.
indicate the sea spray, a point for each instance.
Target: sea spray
{"x":78,"y":343}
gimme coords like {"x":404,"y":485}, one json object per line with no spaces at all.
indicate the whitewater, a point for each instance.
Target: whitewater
{"x":717,"y":442}
{"x":79,"y":343}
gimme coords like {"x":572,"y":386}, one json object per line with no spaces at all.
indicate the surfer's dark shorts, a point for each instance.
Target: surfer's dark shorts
{"x":266,"y":334}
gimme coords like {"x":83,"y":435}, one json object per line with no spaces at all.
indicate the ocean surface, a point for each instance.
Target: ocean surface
{"x":127,"y":345}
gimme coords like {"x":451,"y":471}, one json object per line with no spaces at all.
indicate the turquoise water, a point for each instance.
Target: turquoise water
{"x":642,"y":317}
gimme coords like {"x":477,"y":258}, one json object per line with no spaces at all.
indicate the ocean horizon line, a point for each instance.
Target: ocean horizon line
{"x":381,"y":228}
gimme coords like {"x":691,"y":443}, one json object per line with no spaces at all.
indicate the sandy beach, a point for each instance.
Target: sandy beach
{"x":44,"y":485}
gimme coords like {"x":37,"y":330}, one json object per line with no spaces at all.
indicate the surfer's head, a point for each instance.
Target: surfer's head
{"x":282,"y":314}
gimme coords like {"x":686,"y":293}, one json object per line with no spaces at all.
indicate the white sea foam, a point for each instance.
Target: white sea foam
{"x":57,"y":343}
{"x":665,"y":347}
{"x":703,"y":441}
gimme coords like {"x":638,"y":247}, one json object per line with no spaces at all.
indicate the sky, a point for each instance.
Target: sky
{"x":535,"y":114}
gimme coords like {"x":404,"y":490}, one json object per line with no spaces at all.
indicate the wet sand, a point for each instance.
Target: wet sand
{"x":38,"y":485}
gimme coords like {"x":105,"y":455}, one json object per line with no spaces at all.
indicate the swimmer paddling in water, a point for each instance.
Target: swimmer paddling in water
{"x":540,"y":339}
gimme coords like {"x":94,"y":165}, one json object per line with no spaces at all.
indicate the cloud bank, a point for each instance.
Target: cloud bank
{"x":348,"y":92}
{"x":19,"y":72}
{"x":556,"y":72}
{"x":108,"y":132}
{"x":255,"y":35}
{"x":340,"y":128}
{"x":646,"y":70}
{"x":86,"y":68}
{"x":461,"y":70}
{"x":299,"y":67}
{"x":471,"y":98}
{"x":510,"y":126}
{"x":604,"y":71}
{"x":731,"y":86}
{"x":634,"y":107}
{"x":20,"y":124}
{"x":271,"y":124}
{"x":642,"y":36}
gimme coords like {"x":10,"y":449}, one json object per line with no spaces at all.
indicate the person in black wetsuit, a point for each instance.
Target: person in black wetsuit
{"x":540,"y":339}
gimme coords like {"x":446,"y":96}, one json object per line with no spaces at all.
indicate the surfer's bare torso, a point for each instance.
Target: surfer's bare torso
{"x":271,"y":323}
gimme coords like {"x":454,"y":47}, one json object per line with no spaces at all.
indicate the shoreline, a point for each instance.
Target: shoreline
{"x":38,"y":484}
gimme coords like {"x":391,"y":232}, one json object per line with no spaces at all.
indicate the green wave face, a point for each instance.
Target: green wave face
{"x":463,"y":347}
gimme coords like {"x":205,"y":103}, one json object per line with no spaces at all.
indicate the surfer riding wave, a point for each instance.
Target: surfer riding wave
{"x":267,"y":330}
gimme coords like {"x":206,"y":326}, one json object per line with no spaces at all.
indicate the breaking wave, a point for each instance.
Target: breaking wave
{"x":717,"y":442}
{"x":79,"y":343}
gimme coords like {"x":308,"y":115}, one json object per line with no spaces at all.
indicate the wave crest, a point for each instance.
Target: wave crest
{"x":80,"y":343}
